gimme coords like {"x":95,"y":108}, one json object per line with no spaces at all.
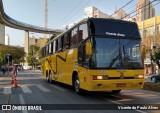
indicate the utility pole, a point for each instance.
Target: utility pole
{"x":8,"y":56}
{"x":46,"y":14}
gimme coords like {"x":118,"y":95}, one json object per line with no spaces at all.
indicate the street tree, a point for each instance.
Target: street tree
{"x":33,"y":55}
{"x":16,"y":53}
{"x":156,"y":58}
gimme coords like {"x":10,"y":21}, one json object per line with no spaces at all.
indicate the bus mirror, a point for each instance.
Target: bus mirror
{"x":88,"y":48}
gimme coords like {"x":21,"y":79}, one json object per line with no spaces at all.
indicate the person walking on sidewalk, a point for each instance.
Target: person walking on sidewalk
{"x":3,"y":70}
{"x":15,"y":70}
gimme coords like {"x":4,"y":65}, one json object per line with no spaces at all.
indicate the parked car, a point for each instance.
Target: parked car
{"x":155,"y":78}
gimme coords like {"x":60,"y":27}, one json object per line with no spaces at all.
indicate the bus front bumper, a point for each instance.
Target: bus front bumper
{"x":125,"y":84}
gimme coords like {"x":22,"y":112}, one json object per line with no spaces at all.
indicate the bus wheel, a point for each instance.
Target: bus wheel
{"x":116,"y":91}
{"x":50,"y":78}
{"x":77,"y":85}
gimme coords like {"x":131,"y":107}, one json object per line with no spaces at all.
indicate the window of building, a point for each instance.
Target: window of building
{"x":74,"y":37}
{"x":83,"y":32}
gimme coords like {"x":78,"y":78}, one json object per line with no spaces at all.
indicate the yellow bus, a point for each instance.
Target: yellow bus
{"x":96,"y":54}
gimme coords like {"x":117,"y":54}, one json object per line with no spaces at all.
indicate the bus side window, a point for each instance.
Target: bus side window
{"x":65,"y":42}
{"x":59,"y":44}
{"x":62,"y":41}
{"x":46,"y":49}
{"x":83,"y":32}
{"x":42,"y":52}
{"x":83,"y":59}
{"x":50,"y":48}
{"x":80,"y":54}
{"x":54,"y":46}
{"x":74,"y":37}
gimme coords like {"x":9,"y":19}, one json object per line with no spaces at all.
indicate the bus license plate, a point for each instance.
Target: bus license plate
{"x":121,"y":85}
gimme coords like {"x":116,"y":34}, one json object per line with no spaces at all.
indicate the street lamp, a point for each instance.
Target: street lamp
{"x":8,"y":57}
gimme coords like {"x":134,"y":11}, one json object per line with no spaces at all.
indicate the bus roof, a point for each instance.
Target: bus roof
{"x":88,"y":19}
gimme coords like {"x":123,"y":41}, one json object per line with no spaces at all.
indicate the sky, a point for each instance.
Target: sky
{"x":60,"y":13}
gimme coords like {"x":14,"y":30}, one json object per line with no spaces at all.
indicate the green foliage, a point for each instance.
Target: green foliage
{"x":17,"y":53}
{"x":156,"y":58}
{"x":34,"y":55}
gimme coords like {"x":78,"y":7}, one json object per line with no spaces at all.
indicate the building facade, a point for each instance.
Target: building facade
{"x":94,"y":12}
{"x":40,"y":42}
{"x":150,"y":33}
{"x":2,"y":34}
{"x":121,"y":14}
{"x":144,"y":10}
{"x":7,"y":40}
{"x":98,"y":14}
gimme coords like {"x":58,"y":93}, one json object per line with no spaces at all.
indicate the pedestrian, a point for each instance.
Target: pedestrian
{"x":3,"y":70}
{"x":15,"y":70}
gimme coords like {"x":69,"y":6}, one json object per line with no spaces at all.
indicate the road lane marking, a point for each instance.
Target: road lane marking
{"x":57,"y":87}
{"x":118,"y":103}
{"x":7,"y":90}
{"x":22,"y":102}
{"x":43,"y":88}
{"x":26,"y":89}
{"x":144,"y":91}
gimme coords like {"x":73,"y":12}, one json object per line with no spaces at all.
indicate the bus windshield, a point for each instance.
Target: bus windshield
{"x":116,"y":53}
{"x":114,"y":28}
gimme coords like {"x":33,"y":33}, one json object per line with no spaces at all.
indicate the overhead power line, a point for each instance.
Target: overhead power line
{"x":122,"y":7}
{"x":64,"y":17}
{"x":74,"y":12}
{"x":74,"y":18}
{"x":147,"y":8}
{"x":138,"y":9}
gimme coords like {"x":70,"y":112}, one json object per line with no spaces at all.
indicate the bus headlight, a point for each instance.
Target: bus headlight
{"x":139,"y":76}
{"x":99,"y":77}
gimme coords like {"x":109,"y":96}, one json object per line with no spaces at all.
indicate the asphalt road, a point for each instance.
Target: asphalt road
{"x":33,"y":89}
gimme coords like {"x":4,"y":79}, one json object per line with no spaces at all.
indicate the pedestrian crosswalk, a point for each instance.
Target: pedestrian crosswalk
{"x":7,"y":90}
{"x":26,"y":89}
{"x":42,"y":88}
{"x":31,"y":89}
{"x":28,"y":75}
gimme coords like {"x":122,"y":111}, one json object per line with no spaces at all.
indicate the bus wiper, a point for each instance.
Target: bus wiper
{"x":113,"y":61}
